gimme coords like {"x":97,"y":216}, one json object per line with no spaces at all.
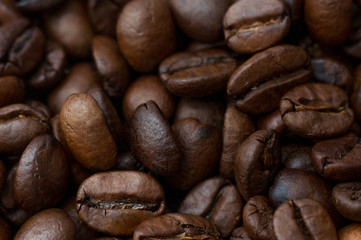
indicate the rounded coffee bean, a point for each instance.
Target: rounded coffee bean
{"x":5,"y":231}
{"x":197,"y":74}
{"x":152,"y":140}
{"x":3,"y":174}
{"x":115,"y":203}
{"x":42,"y":174}
{"x":236,"y":128}
{"x":217,"y":200}
{"x":51,"y":224}
{"x":350,"y":232}
{"x":303,"y":219}
{"x":12,"y":90}
{"x":328,"y":20}
{"x":251,"y":26}
{"x":240,"y":233}
{"x":258,"y":218}
{"x":201,"y":147}
{"x":257,"y":161}
{"x":259,"y":83}
{"x":177,"y":226}
{"x":316,"y":110}
{"x":139,"y":93}
{"x":158,"y":36}
{"x":82,"y":137}
{"x":347,"y":199}
{"x":338,"y":159}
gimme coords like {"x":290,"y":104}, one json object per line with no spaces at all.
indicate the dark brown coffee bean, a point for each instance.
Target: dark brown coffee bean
{"x":201,"y":147}
{"x":152,"y":140}
{"x":5,"y":231}
{"x":176,"y":226}
{"x":206,"y":110}
{"x":258,"y":218}
{"x":303,"y":219}
{"x":300,"y":158}
{"x":287,"y":187}
{"x":197,"y":74}
{"x":325,"y":23}
{"x":22,"y":47}
{"x":103,"y":15}
{"x":240,"y":233}
{"x":338,"y":159}
{"x":272,"y":121}
{"x":356,"y":94}
{"x":116,"y":202}
{"x":19,"y":124}
{"x":144,"y":89}
{"x":51,"y":70}
{"x":12,"y":90}
{"x":3,"y":174}
{"x":200,"y":20}
{"x":350,"y":232}
{"x":70,"y":26}
{"x":257,"y":161}
{"x":52,"y":224}
{"x":83,"y":137}
{"x":251,"y":26}
{"x":81,"y":78}
{"x":111,"y":65}
{"x":347,"y":199}
{"x":236,"y":128}
{"x":316,"y":110}
{"x":42,"y":174}
{"x":158,"y":36}
{"x":217,"y":200}
{"x":259,"y":83}
{"x":36,"y":5}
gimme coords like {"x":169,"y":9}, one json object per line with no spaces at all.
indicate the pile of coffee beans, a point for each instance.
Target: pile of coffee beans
{"x":180,"y":119}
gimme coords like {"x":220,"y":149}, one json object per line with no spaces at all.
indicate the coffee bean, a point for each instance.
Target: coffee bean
{"x":259,"y":83}
{"x":240,"y":233}
{"x":347,"y":199}
{"x":300,"y":158}
{"x":197,"y":74}
{"x":12,"y":90}
{"x":116,"y":202}
{"x":176,"y":226}
{"x":350,"y":232}
{"x":257,"y":161}
{"x":316,"y":110}
{"x":303,"y":219}
{"x":251,"y":26}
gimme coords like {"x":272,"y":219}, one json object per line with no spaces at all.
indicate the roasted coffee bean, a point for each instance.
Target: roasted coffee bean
{"x":51,"y":70}
{"x":350,"y":232}
{"x":111,"y":65}
{"x":197,"y":74}
{"x":201,"y":147}
{"x":200,"y":20}
{"x":217,"y":200}
{"x":258,"y":218}
{"x":83,"y":137}
{"x":176,"y":226}
{"x":116,"y":202}
{"x":300,"y":158}
{"x":272,"y":121}
{"x":316,"y":110}
{"x":287,"y":187}
{"x":19,"y":124}
{"x":251,"y":26}
{"x":347,"y":199}
{"x":259,"y":83}
{"x":339,"y":158}
{"x":70,"y":26}
{"x":80,"y":79}
{"x":5,"y":231}
{"x":36,"y":5}
{"x":324,"y":23}
{"x":139,"y":93}
{"x":237,"y":128}
{"x":12,"y":90}
{"x":42,"y":174}
{"x":240,"y":233}
{"x":3,"y":174}
{"x":22,"y":47}
{"x":152,"y":140}
{"x":303,"y":219}
{"x":51,"y":224}
{"x":257,"y":161}
{"x":158,"y":36}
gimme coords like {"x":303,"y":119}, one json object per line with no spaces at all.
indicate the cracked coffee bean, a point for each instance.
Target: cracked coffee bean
{"x":116,"y":202}
{"x":347,"y":200}
{"x":303,"y":219}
